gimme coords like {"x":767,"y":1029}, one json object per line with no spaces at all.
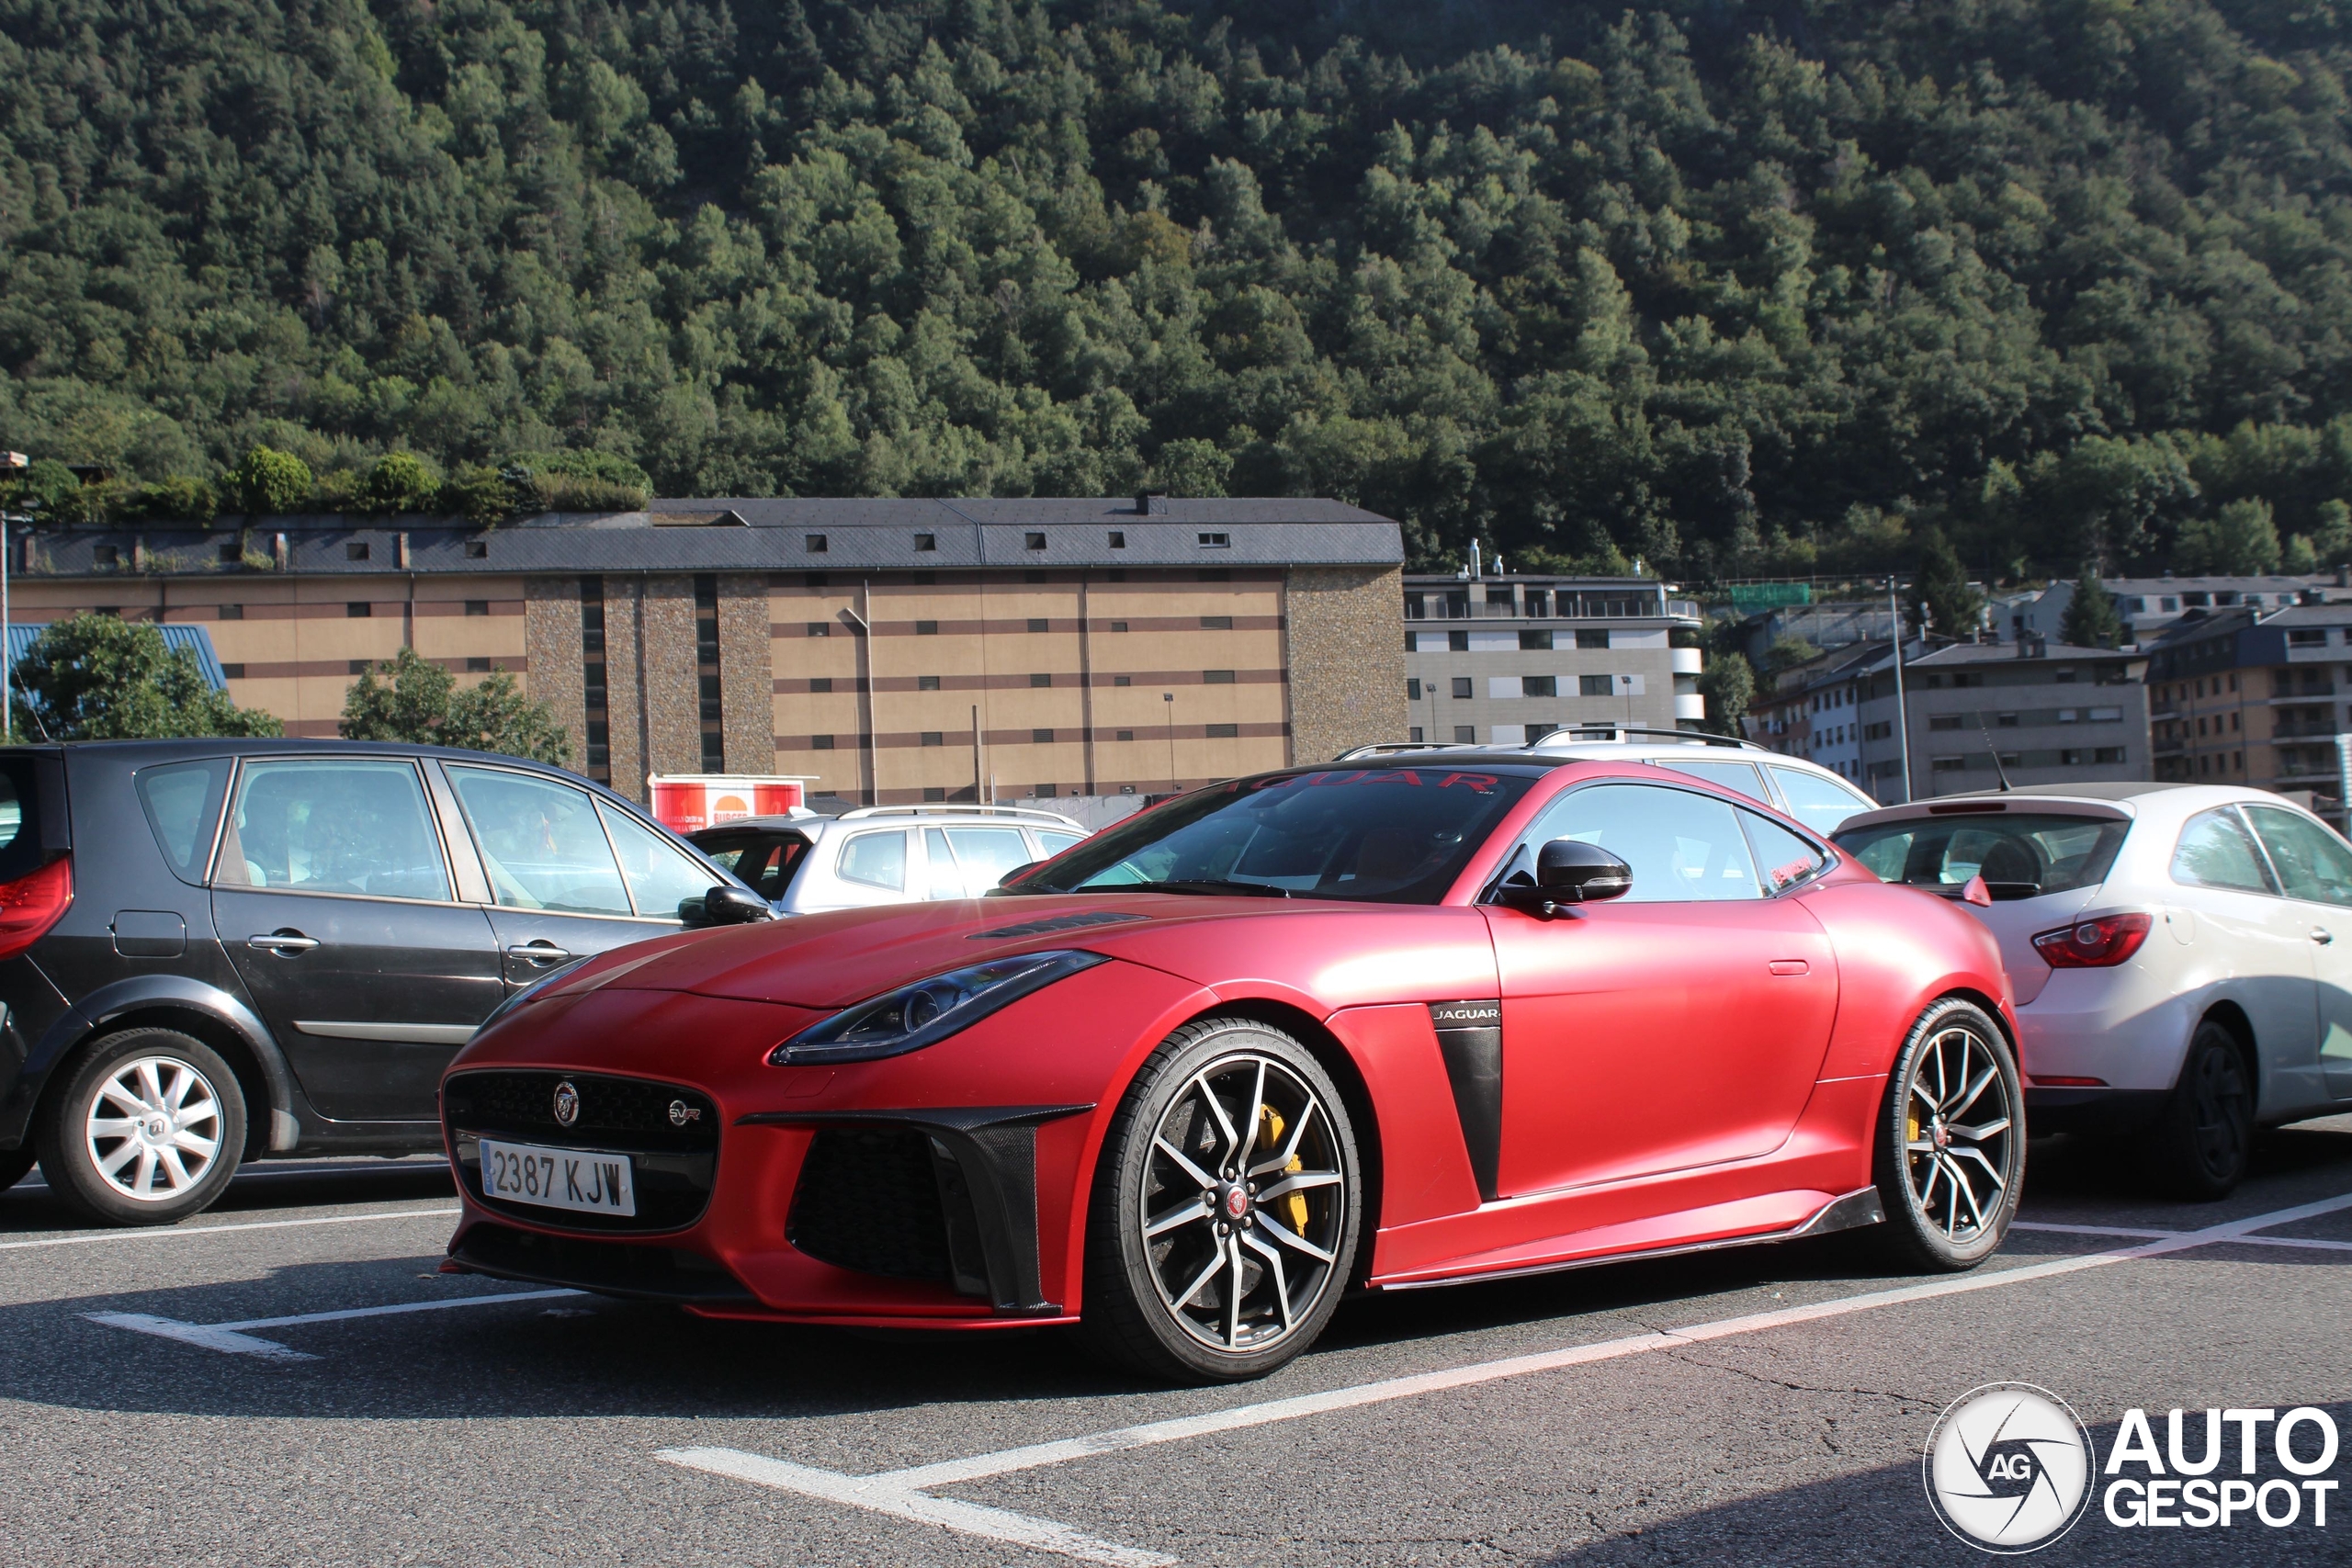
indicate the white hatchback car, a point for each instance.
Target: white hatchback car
{"x":884,"y":854}
{"x":2181,"y":955}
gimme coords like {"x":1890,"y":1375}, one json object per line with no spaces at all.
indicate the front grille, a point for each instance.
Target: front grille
{"x":868,"y":1200}
{"x":612,"y":1267}
{"x":672,"y":1161}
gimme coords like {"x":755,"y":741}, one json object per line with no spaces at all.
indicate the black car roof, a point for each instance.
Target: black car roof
{"x":146,"y":752}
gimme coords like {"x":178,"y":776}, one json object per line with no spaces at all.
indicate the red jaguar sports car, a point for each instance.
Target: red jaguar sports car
{"x":1425,"y":1017}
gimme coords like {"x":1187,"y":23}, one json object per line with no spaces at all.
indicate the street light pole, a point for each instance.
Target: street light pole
{"x":1902,"y":711}
{"x":1169,"y":698}
{"x":14,"y":465}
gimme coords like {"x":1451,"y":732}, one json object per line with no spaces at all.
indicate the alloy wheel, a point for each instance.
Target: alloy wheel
{"x":2221,"y":1097}
{"x":153,"y":1128}
{"x":1244,"y":1202}
{"x":1957,"y":1130}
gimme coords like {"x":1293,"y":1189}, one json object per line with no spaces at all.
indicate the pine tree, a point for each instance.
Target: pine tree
{"x":2091,"y":620}
{"x":1952,"y":608}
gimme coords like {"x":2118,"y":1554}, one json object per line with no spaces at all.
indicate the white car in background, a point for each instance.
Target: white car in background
{"x":2181,"y":955}
{"x":883,"y":854}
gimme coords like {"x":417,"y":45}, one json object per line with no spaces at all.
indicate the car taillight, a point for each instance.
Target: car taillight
{"x":32,"y":903}
{"x":2100,"y":942}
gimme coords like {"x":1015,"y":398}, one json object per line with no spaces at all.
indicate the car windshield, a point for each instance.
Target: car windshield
{"x":2018,"y":854}
{"x":1394,"y":835}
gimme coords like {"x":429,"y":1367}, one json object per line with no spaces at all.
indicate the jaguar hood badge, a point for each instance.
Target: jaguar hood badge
{"x":567,"y":1103}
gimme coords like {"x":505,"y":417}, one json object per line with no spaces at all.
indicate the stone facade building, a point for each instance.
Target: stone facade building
{"x":889,"y":651}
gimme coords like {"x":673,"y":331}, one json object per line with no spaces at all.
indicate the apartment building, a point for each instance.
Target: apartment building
{"x":2256,"y":697}
{"x":2148,"y":606}
{"x":891,"y":650}
{"x":1509,"y":660}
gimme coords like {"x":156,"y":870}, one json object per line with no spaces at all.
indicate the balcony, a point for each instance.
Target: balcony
{"x":1567,"y":607}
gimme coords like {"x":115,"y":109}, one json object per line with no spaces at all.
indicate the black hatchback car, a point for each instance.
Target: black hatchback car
{"x":214,"y":951}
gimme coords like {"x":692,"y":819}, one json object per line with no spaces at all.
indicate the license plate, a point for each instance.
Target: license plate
{"x":557,"y":1179}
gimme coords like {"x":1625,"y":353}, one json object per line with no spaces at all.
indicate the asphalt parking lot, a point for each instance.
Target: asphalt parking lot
{"x":1765,"y":1405}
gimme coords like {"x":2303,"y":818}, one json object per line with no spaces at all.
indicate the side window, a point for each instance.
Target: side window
{"x":987,"y":854}
{"x":2216,"y":852}
{"x":877,"y":860}
{"x":1050,"y":843}
{"x":660,"y":878}
{"x":1817,"y":803}
{"x":541,"y":844}
{"x":1739,"y":776}
{"x":181,"y":801}
{"x":315,"y":824}
{"x":946,"y":880}
{"x":2311,"y":862}
{"x":1683,"y":847}
{"x":1783,"y":858}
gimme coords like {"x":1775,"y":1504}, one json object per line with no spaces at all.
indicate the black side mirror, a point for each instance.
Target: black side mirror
{"x":1569,"y":871}
{"x":726,"y":906}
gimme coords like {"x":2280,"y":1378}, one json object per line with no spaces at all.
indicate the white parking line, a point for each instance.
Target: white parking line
{"x":2315,"y":1243}
{"x":904,"y":1494}
{"x":180,"y":1233}
{"x":231,"y":1338}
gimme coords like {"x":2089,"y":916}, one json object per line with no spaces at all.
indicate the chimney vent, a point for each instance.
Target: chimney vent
{"x":1151,"y":503}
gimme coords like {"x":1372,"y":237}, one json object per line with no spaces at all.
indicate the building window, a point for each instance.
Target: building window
{"x":813,"y":542}
{"x":714,"y":726}
{"x":1539,"y":686}
{"x":1118,"y":625}
{"x":1412,"y":688}
{"x":1123,"y":680}
{"x":1457,"y":642}
{"x":821,"y":743}
{"x":2004,"y":721}
{"x":1038,"y":623}
{"x":357,"y":550}
{"x":1415,"y":607}
{"x":1943,"y":721}
{"x":821,"y":628}
{"x":934,"y":792}
{"x":1033,"y":541}
{"x":934,"y":738}
{"x":359,"y":667}
{"x":597,"y":753}
{"x":1040,"y":680}
{"x":233,"y":671}
{"x":1538,"y":732}
{"x":819,"y":686}
{"x":1462,"y":686}
{"x":231,"y":612}
{"x":1951,"y":764}
{"x":1414,"y":733}
{"x":1224,"y":731}
{"x":477,"y":550}
{"x":1127,"y":735}
{"x":2115,"y":754}
{"x":1594,"y":687}
{"x":1598,"y":639}
{"x":1216,"y":623}
{"x":1535,"y":642}
{"x":926,"y":682}
{"x":2113,"y":715}
{"x":1118,"y":539}
{"x":1537,"y":601}
{"x":1042,"y":737}
{"x":926,"y":629}
{"x":926,"y":541}
{"x":477,"y":665}
{"x":1217,"y":677}
{"x":1048,"y":792}
{"x":358,"y":609}
{"x":1466,"y":734}
{"x":476,"y":606}
{"x":1216,"y":541}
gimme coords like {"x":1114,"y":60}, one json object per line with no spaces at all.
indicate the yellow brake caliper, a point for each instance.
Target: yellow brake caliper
{"x":1293,"y":1204}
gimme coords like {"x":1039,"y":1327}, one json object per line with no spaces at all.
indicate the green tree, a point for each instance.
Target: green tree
{"x":2090,"y":620}
{"x":1786,"y":653}
{"x":1951,"y":608}
{"x":2241,"y":539}
{"x":1728,"y":683}
{"x":270,"y":482}
{"x":413,"y":699}
{"x":101,"y":678}
{"x":399,"y":483}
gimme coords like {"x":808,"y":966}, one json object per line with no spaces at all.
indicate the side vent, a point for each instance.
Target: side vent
{"x":1470,"y":1036}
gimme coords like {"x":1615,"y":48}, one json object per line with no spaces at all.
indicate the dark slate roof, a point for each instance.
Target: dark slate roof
{"x":738,"y":535}
{"x":2007,"y":653}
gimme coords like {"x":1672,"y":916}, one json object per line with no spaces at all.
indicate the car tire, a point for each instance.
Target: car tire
{"x":147,"y":1130}
{"x":1950,"y":1156}
{"x":1205,"y":1262}
{"x":2203,"y":1139}
{"x":15,"y":1163}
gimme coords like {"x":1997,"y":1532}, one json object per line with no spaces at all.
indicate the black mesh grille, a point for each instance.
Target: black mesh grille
{"x":868,"y":1200}
{"x":618,"y":1269}
{"x":673,"y":1157}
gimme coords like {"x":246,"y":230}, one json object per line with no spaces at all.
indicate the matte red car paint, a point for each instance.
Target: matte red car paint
{"x":1735,"y":1099}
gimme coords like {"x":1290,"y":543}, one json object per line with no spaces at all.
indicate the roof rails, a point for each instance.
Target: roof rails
{"x":950,"y":808}
{"x":1383,"y":748}
{"x":1577,"y":734}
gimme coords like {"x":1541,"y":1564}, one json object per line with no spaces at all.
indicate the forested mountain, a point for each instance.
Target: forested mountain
{"x":1732,"y":287}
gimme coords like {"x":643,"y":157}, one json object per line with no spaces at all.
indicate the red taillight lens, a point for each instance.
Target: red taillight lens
{"x":32,"y":903}
{"x":2097,"y":944}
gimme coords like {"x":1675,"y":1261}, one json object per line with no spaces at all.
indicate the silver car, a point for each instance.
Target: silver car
{"x":884,"y":854}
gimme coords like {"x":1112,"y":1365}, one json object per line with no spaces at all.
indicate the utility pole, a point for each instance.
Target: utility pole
{"x":1169,"y":699}
{"x":1902,"y":713}
{"x":14,"y":465}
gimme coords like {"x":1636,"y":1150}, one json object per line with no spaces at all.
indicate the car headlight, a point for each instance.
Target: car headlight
{"x":929,"y":1010}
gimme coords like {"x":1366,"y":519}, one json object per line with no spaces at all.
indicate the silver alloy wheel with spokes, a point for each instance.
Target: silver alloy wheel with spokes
{"x":153,"y":1128}
{"x":1243,"y":1203}
{"x":1959,"y":1126}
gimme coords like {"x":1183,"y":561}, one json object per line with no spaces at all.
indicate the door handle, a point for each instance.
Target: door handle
{"x":2322,"y":935}
{"x":537,"y":953}
{"x":1790,"y":966}
{"x":285,"y":944}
